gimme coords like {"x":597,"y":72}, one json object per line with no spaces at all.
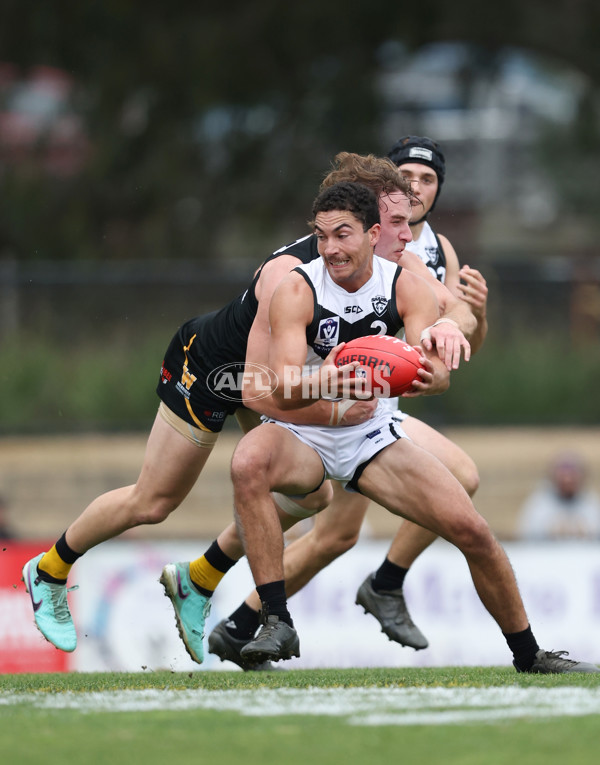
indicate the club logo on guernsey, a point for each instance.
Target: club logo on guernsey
{"x":379,"y":304}
{"x":431,"y":254}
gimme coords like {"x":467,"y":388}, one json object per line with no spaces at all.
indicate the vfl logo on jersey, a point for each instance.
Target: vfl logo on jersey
{"x":327,"y":334}
{"x":379,"y":304}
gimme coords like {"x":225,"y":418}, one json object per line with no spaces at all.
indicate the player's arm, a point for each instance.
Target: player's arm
{"x":469,"y":286}
{"x":320,"y":412}
{"x":290,"y":314}
{"x":473,"y":290}
{"x":455,"y":313}
{"x":419,"y":309}
{"x":271,"y":275}
{"x":258,"y":347}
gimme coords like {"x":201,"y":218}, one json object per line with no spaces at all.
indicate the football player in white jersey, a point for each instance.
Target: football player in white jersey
{"x":422,"y":162}
{"x":374,"y":458}
{"x":337,"y":528}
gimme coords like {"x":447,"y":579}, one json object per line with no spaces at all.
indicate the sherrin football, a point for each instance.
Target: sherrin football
{"x":389,"y":365}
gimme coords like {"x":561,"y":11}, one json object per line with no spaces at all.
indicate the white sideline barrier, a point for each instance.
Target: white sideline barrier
{"x":125,"y":623}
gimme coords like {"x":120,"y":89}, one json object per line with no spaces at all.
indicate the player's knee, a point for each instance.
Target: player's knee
{"x":473,"y":535}
{"x":464,"y":470}
{"x":336,"y":541}
{"x":248,"y":471}
{"x":153,"y":513}
{"x":468,"y":475}
{"x":342,"y":542}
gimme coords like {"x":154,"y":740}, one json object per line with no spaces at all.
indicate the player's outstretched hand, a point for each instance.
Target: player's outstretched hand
{"x":449,"y":342}
{"x":474,"y":291}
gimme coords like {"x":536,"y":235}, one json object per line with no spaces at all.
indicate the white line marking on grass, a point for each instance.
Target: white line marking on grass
{"x":358,"y":706}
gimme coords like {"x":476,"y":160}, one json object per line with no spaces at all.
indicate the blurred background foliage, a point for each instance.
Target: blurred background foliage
{"x":151,"y":155}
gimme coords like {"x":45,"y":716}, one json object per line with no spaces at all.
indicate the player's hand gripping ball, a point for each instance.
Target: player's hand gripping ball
{"x":388,"y":365}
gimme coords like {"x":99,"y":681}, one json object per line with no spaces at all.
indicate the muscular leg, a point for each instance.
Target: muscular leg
{"x":229,"y":540}
{"x":190,"y":586}
{"x":411,"y":540}
{"x":232,"y":634}
{"x":381,"y":594}
{"x":441,"y":505}
{"x":270,"y":458}
{"x":171,"y":467}
{"x":336,"y":530}
{"x":254,"y":474}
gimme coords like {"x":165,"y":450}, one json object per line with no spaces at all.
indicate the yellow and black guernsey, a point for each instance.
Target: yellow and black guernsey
{"x":200,"y":377}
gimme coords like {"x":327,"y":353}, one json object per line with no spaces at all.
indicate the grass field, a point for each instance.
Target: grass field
{"x":464,"y":715}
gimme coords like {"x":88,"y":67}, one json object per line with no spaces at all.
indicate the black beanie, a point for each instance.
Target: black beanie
{"x":422,"y":150}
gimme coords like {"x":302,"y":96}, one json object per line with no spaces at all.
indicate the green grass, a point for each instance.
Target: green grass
{"x":30,"y":734}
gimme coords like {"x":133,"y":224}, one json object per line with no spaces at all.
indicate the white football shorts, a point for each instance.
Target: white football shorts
{"x":346,"y":451}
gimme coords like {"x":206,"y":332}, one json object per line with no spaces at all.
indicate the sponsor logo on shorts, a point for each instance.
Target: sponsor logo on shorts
{"x":165,"y":375}
{"x":210,"y":415}
{"x":229,"y":381}
{"x":187,"y":380}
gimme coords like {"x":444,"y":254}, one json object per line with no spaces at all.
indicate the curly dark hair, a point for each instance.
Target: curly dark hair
{"x":356,"y":198}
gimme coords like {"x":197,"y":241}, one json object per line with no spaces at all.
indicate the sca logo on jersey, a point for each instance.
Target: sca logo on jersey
{"x":229,"y":381}
{"x":353,"y":309}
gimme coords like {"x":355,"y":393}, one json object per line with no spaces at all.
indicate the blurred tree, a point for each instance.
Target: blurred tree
{"x":571,"y":154}
{"x":211,"y":125}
